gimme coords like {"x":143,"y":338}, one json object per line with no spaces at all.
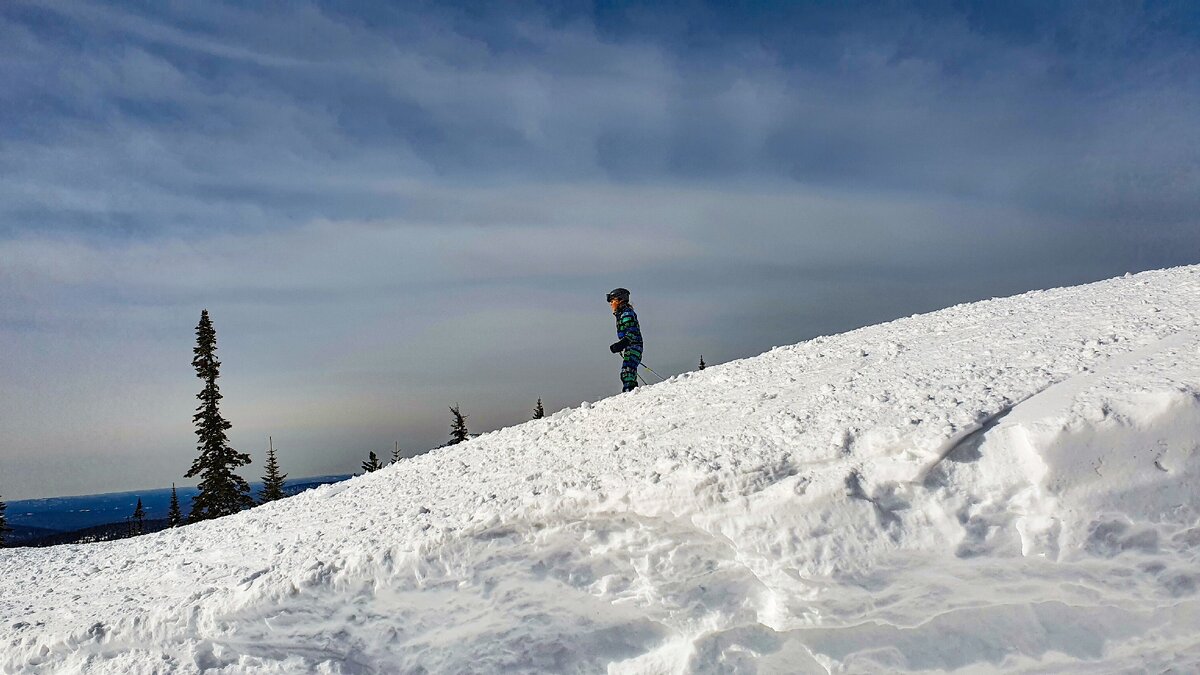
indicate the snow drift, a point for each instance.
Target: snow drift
{"x":1007,"y":485}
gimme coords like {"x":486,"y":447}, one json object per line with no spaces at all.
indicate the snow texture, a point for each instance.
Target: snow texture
{"x":1010,"y":485}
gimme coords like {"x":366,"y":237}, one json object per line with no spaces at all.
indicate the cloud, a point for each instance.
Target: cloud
{"x":933,"y":108}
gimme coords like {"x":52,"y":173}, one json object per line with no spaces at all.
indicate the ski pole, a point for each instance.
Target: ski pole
{"x":660,"y":377}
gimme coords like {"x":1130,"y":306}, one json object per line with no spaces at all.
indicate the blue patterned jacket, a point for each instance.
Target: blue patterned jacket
{"x":627,"y":327}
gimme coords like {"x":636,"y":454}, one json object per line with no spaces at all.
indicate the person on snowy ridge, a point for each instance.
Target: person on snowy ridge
{"x":629,"y":337}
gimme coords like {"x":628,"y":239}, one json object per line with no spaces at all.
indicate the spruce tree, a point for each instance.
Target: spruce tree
{"x":458,"y":426}
{"x":701,"y":362}
{"x":273,"y":480}
{"x":139,"y":518}
{"x":396,"y":453}
{"x":372,"y":463}
{"x":3,"y":522}
{"x":174,"y":515}
{"x":538,"y":411}
{"x":222,"y":492}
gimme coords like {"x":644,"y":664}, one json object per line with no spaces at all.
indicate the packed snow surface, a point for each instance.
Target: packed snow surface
{"x":1009,"y":485}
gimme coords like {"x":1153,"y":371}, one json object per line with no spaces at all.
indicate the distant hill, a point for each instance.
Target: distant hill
{"x":60,"y":520}
{"x":22,"y":534}
{"x":106,"y":532}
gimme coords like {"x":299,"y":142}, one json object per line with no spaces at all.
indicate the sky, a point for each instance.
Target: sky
{"x":391,"y":208}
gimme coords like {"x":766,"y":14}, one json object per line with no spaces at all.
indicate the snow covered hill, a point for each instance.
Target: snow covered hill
{"x":1011,"y":485}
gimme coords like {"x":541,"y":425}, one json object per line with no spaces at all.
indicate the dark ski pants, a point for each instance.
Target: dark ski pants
{"x":631,"y":358}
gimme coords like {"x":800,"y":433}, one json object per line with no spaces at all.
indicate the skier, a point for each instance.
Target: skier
{"x":629,"y":337}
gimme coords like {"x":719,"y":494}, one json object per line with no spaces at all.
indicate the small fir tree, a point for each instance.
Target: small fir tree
{"x":4,"y":528}
{"x":396,"y":453}
{"x":138,"y":518}
{"x":701,"y":362}
{"x":272,"y":488}
{"x":372,"y":463}
{"x":222,"y":492}
{"x":174,"y":515}
{"x":458,"y":426}
{"x":538,"y":411}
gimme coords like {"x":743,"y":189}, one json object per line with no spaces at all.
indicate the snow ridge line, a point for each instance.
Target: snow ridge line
{"x":1057,"y":392}
{"x":966,"y":434}
{"x":1063,"y":392}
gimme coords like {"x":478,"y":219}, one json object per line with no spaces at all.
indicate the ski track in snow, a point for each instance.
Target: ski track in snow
{"x":1004,"y":486}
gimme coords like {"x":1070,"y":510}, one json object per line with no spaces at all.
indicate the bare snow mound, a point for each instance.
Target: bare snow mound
{"x":1010,"y":485}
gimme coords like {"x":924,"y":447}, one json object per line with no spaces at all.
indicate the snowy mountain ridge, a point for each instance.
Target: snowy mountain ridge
{"x":1008,"y":485}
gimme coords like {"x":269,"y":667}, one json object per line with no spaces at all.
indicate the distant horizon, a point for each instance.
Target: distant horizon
{"x":252,"y":483}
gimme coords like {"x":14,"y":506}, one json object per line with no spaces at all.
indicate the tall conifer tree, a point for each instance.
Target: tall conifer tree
{"x":458,"y":426}
{"x":396,"y":453}
{"x":273,"y":480}
{"x":372,"y":463}
{"x":139,"y":518}
{"x":174,"y":515}
{"x":538,"y":411}
{"x":222,"y":492}
{"x":701,"y":362}
{"x":4,"y":528}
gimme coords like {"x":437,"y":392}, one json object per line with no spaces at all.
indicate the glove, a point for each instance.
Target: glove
{"x":618,"y":346}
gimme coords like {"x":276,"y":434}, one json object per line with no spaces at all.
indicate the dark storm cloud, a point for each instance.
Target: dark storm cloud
{"x":391,"y":208}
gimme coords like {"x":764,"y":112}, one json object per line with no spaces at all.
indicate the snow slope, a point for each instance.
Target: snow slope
{"x":1009,"y":485}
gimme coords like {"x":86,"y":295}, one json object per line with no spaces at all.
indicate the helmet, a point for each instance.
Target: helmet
{"x":617,"y":293}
